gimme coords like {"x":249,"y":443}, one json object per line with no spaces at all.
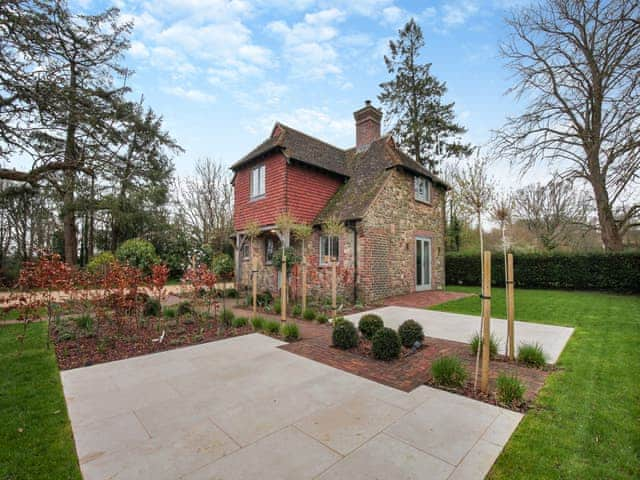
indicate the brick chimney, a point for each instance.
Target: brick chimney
{"x":367,"y":125}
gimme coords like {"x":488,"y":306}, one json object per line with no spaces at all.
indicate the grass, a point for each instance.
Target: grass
{"x":34,"y":427}
{"x":586,"y":420}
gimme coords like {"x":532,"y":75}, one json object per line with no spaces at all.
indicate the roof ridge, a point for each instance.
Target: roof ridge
{"x":287,"y":127}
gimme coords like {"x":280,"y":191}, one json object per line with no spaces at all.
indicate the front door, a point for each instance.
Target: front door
{"x":423,"y":263}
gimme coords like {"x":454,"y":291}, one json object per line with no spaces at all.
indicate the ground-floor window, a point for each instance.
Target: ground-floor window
{"x":244,"y":251}
{"x":269,"y":248}
{"x":328,"y":248}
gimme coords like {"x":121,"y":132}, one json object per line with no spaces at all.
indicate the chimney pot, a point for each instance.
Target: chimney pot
{"x":368,"y":121}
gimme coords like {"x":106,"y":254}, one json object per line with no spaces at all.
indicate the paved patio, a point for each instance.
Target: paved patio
{"x":460,"y":328}
{"x":242,"y":409}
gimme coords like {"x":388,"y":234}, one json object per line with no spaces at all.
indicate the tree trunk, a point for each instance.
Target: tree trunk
{"x":70,"y":230}
{"x":609,"y":231}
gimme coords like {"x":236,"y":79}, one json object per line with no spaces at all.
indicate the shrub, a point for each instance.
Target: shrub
{"x":290,"y":332}
{"x":509,"y":389}
{"x":231,"y":293}
{"x":532,"y":354}
{"x":338,"y":321}
{"x":184,"y":308}
{"x":475,"y":342}
{"x":169,"y":312}
{"x":448,"y":371}
{"x":309,"y":314}
{"x":369,"y":324}
{"x":345,"y":335}
{"x":222,"y":265}
{"x":410,"y":332}
{"x":226,"y":317}
{"x":272,"y":327}
{"x":322,"y":318}
{"x":296,"y":311}
{"x":137,"y":253}
{"x":277,"y":306}
{"x":239,"y":322}
{"x":257,"y":323}
{"x":262,"y":299}
{"x":84,"y":322}
{"x":152,"y":307}
{"x":386,"y":344}
{"x":581,"y":271}
{"x":99,"y":263}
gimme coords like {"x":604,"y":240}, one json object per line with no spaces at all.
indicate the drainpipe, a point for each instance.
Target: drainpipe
{"x":355,"y":260}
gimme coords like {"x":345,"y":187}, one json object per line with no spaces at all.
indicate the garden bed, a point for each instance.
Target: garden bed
{"x":76,"y":347}
{"x":412,"y":369}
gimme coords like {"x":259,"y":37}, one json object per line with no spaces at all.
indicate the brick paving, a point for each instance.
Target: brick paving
{"x":407,"y":372}
{"x":424,"y":299}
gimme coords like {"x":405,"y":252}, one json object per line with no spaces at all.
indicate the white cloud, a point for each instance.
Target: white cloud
{"x":456,"y":14}
{"x":317,"y":122}
{"x":393,"y":15}
{"x":308,"y":46}
{"x":190,"y":94}
{"x":138,"y":50}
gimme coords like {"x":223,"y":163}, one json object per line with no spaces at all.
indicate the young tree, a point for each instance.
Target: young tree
{"x":414,"y":106}
{"x":475,"y":189}
{"x":551,"y":211}
{"x":577,"y":64}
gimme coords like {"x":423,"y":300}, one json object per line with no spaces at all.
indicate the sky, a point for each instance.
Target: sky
{"x":221,"y":72}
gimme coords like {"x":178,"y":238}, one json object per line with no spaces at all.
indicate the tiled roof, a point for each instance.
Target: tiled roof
{"x":366,"y":169}
{"x":302,"y":147}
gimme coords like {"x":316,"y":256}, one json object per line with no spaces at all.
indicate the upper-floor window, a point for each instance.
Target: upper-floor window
{"x":328,"y":249}
{"x":257,"y":181}
{"x":422,"y":187}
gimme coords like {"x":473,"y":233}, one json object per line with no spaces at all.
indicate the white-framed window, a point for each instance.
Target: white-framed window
{"x":329,"y":247}
{"x":258,"y":181}
{"x":269,"y":248}
{"x":244,"y":251}
{"x":422,"y":187}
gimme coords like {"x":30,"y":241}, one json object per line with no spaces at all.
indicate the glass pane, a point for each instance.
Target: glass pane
{"x":427,"y":262}
{"x":418,"y":262}
{"x":334,"y":247}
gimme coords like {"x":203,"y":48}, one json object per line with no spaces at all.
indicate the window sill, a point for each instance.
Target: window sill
{"x":424,"y":202}
{"x":257,"y":197}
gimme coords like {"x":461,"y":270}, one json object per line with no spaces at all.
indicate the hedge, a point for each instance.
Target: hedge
{"x":618,"y":272}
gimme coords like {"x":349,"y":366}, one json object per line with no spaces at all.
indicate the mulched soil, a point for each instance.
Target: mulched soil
{"x":411,"y":369}
{"x":113,"y":343}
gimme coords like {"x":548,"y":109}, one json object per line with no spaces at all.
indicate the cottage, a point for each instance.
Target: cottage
{"x":392,"y":207}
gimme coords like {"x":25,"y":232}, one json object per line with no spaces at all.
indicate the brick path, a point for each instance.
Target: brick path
{"x":405,"y":373}
{"x":424,"y":299}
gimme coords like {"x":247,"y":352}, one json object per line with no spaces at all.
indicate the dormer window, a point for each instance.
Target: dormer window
{"x":258,"y":181}
{"x":422,"y":187}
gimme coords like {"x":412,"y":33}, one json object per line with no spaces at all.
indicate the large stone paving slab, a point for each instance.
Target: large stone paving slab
{"x":460,"y":328}
{"x":244,"y":409}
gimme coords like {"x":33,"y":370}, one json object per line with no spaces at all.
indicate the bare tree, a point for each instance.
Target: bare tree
{"x":206,"y":203}
{"x":551,"y":212}
{"x":577,"y":64}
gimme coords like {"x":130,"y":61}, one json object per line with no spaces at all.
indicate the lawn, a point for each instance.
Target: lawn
{"x":35,"y":432}
{"x":586,"y":420}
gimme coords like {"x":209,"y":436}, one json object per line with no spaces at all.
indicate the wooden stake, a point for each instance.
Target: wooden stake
{"x":510,"y":309}
{"x":333,"y":290}
{"x":283,"y":289}
{"x":304,"y":283}
{"x":486,"y":322}
{"x":254,"y":285}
